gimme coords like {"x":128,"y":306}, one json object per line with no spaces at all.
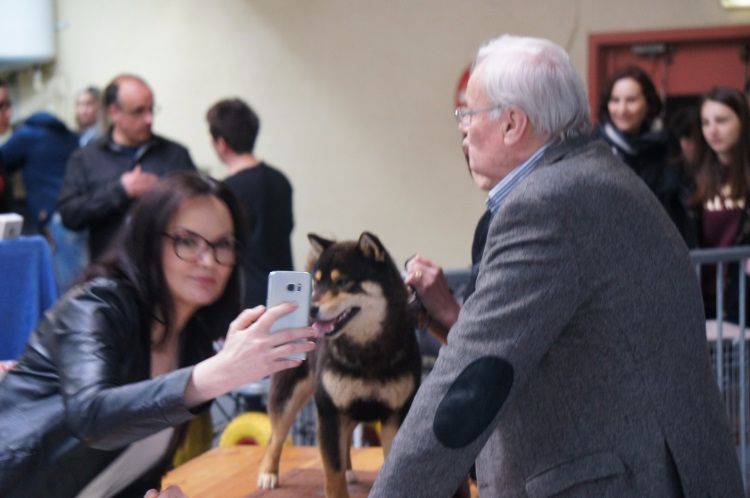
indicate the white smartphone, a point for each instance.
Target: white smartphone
{"x":285,"y":286}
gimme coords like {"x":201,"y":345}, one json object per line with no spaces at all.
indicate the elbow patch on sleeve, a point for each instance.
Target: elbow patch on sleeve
{"x":472,"y":402}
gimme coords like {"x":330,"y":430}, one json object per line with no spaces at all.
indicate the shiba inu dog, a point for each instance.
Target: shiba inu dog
{"x":367,"y":365}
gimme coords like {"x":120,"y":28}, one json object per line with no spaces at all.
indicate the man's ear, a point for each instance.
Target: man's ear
{"x":112,"y":111}
{"x":515,"y":124}
{"x":220,"y":145}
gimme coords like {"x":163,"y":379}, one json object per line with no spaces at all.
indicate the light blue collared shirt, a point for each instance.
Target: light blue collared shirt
{"x":500,"y":191}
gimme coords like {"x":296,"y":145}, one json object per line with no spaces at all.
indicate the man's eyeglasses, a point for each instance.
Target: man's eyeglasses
{"x":140,"y":112}
{"x":189,"y":246}
{"x":463,"y":114}
{"x":5,"y":105}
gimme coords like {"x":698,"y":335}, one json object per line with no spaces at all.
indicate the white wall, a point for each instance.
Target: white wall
{"x":355,"y":96}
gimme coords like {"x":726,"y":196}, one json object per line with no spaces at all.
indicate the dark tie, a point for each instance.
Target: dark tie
{"x":477,"y":249}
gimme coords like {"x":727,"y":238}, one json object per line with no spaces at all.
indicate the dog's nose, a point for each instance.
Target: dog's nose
{"x":314,"y":311}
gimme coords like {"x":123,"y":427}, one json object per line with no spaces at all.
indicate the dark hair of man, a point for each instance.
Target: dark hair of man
{"x":235,"y":122}
{"x":653,"y":102}
{"x":95,"y":93}
{"x":111,"y":91}
{"x":708,"y":170}
{"x":136,"y":257}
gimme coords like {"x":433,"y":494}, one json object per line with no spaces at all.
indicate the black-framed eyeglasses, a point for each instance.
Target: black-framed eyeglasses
{"x":189,"y":246}
{"x":463,"y":114}
{"x":5,"y":105}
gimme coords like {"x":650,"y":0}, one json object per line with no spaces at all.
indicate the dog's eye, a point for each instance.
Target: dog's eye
{"x":342,"y":281}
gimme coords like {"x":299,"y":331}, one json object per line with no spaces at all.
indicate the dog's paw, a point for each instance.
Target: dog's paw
{"x":267,"y":481}
{"x":351,"y":477}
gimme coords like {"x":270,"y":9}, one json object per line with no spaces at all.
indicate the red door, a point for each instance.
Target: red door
{"x":683,"y":63}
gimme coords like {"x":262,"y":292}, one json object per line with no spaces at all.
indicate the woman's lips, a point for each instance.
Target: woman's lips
{"x":205,"y":281}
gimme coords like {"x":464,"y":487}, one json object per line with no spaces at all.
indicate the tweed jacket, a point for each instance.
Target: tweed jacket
{"x":579,"y":366}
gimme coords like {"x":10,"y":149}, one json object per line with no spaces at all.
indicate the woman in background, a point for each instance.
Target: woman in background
{"x":94,"y":406}
{"x":722,"y":187}
{"x":628,"y":111}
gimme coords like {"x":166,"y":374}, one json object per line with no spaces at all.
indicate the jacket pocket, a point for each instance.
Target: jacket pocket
{"x":574,"y":472}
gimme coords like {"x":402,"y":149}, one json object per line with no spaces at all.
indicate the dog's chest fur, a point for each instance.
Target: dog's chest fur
{"x":351,"y":374}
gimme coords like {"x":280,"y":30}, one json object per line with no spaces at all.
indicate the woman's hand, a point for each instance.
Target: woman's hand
{"x":250,"y":353}
{"x":428,"y":281}
{"x":6,"y":366}
{"x":170,"y":492}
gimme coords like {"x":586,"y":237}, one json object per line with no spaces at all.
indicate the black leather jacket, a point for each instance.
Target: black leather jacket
{"x":82,"y":392}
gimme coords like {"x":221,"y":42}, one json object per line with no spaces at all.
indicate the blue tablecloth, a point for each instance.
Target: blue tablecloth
{"x":27,"y":289}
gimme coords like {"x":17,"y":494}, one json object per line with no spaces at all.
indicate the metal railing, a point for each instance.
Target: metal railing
{"x":727,"y":340}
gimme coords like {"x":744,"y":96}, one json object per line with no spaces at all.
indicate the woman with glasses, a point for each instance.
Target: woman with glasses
{"x":97,"y":403}
{"x":628,"y":110}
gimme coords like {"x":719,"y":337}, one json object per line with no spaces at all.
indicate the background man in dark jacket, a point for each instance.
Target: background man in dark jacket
{"x":104,"y":177}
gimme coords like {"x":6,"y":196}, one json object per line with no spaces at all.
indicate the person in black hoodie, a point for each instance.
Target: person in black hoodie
{"x":628,"y":110}
{"x":40,"y":148}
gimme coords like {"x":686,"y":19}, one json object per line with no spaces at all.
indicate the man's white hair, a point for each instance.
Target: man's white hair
{"x":535,"y":75}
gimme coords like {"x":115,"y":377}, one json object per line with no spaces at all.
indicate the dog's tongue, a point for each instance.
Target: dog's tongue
{"x":321,"y":327}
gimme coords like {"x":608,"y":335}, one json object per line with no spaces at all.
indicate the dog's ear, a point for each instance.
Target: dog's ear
{"x":371,"y":247}
{"x":319,"y":244}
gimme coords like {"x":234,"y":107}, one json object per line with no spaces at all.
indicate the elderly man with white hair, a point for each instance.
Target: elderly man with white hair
{"x":579,"y":365}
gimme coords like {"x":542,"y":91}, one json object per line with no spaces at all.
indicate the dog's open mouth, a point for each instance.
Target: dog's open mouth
{"x":330,"y":327}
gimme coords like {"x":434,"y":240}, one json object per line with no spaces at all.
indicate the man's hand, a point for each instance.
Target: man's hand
{"x":137,"y":182}
{"x":429,"y":282}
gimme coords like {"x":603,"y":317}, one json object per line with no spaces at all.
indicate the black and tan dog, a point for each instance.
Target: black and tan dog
{"x":367,"y":365}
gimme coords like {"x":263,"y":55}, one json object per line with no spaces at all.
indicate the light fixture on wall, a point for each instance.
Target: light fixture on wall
{"x":735,"y":4}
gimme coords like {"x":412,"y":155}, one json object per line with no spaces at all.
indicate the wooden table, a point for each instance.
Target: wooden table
{"x":232,"y":473}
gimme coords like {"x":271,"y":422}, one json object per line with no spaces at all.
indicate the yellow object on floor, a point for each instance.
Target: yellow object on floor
{"x":197,"y":439}
{"x":249,"y":428}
